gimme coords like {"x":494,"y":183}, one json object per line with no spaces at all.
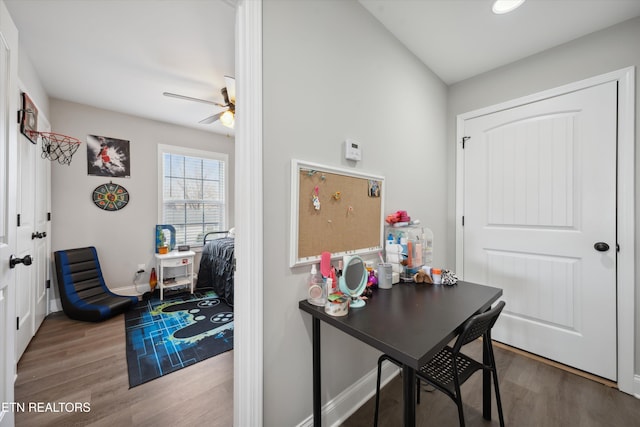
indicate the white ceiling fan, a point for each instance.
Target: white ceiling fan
{"x":226,"y":117}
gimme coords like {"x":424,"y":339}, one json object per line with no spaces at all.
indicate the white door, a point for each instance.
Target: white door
{"x":25,"y":274}
{"x":42,"y":242}
{"x":8,"y":179}
{"x":33,"y":232}
{"x":539,"y":208}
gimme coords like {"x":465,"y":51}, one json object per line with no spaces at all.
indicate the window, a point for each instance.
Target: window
{"x":193,"y":190}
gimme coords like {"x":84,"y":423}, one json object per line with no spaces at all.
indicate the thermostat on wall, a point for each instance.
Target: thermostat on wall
{"x":352,"y":151}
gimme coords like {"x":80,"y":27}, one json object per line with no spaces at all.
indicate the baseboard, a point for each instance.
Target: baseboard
{"x":636,"y":386}
{"x":575,"y":371}
{"x":53,"y":301}
{"x":338,"y":409}
{"x":55,"y":305}
{"x":132,"y":290}
{"x":136,"y":290}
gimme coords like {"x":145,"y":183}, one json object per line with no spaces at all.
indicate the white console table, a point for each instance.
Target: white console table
{"x":175,"y":260}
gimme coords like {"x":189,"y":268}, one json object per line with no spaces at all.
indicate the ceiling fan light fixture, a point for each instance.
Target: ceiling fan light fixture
{"x":227,"y":118}
{"x":501,"y":7}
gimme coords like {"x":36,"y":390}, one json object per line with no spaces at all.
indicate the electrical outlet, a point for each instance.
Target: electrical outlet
{"x":141,"y":267}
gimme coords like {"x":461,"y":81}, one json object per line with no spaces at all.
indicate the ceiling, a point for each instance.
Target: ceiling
{"x":121,"y":55}
{"x":458,"y":39}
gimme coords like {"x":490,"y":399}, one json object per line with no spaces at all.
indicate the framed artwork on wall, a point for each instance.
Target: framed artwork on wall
{"x":29,"y":119}
{"x":108,"y":156}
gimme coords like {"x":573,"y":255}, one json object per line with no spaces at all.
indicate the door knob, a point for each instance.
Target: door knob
{"x":13,"y":261}
{"x":601,"y":247}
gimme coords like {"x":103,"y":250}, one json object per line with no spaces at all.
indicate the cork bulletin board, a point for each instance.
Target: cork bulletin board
{"x":334,"y":210}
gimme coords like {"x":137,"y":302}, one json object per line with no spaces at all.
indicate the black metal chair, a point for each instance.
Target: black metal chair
{"x":450,"y":368}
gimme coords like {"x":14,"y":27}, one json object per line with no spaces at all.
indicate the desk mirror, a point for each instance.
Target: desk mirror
{"x":354,"y":280}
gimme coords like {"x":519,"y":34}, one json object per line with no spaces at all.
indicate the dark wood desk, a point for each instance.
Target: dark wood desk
{"x":411,"y":323}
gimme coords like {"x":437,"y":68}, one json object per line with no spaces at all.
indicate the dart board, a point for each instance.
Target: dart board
{"x":110,"y":197}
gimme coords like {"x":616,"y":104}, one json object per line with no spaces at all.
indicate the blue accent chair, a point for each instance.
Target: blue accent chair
{"x":83,"y":292}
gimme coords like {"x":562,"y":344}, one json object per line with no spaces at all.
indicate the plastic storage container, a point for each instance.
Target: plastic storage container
{"x":408,"y":248}
{"x":317,"y":291}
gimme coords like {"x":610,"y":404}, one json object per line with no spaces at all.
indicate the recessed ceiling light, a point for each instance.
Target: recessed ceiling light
{"x":505,"y":6}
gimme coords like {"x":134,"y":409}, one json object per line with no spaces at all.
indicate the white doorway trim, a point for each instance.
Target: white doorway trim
{"x":248,"y":332}
{"x":627,"y":382}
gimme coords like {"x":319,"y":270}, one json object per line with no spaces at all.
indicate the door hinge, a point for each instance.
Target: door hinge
{"x":463,"y":220}
{"x":617,"y":247}
{"x":48,"y":284}
{"x":464,"y":140}
{"x":48,"y":216}
{"x":18,"y":220}
{"x":18,"y":323}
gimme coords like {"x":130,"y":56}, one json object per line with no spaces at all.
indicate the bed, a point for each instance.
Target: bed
{"x":217,"y":264}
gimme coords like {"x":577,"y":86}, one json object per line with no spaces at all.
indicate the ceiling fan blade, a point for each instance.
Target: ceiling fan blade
{"x":211,"y":119}
{"x":231,"y":88}
{"x":225,"y":95}
{"x":188,"y":98}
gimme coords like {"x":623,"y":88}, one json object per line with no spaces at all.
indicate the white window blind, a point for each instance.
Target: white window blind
{"x":193,"y":193}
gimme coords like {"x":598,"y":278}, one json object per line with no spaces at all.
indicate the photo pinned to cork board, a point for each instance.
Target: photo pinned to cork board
{"x":108,"y":156}
{"x":334,"y":210}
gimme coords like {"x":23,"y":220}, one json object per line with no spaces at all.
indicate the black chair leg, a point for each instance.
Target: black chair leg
{"x":496,"y":387}
{"x":458,"y":398}
{"x":460,"y":412}
{"x":498,"y":401}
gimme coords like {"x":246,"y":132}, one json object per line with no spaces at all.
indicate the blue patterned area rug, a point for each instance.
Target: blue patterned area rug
{"x":165,"y":336}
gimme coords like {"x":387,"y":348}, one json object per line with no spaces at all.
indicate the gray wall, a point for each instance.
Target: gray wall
{"x":31,"y":83}
{"x":598,"y":53}
{"x":332,"y":72}
{"x":124,"y":238}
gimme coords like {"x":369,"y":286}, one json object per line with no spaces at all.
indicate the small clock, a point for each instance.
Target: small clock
{"x":110,"y":197}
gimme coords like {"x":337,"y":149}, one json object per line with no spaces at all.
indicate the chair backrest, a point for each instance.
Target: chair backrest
{"x":79,"y":274}
{"x":478,"y":325}
{"x":83,"y":292}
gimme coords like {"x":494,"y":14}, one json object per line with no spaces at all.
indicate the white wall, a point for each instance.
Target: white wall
{"x":30,"y":83}
{"x":611,"y":49}
{"x":332,"y":72}
{"x":124,"y":238}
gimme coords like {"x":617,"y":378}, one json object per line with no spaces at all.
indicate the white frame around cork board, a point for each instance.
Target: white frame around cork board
{"x":350,"y":220}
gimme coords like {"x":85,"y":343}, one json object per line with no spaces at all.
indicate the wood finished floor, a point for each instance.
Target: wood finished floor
{"x":534,"y":394}
{"x":71,"y":361}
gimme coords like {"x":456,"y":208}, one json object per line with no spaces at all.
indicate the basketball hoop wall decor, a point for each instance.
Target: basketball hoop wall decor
{"x":28,"y":118}
{"x":110,"y":197}
{"x":55,"y":146}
